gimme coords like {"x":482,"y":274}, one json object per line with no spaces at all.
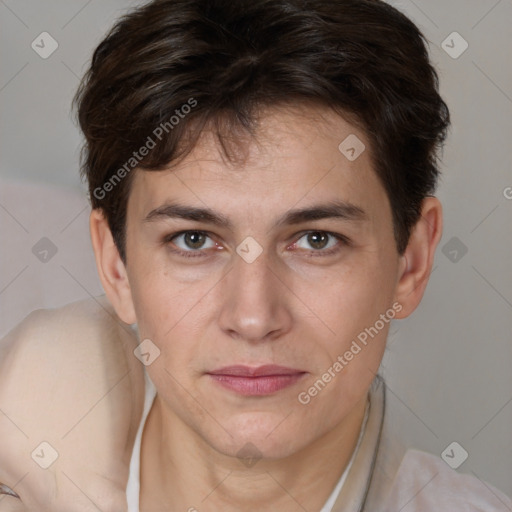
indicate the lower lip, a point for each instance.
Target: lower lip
{"x":257,"y":386}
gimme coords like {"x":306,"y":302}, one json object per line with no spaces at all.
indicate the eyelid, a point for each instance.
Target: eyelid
{"x":345,"y":241}
{"x":342,"y":241}
{"x":181,"y":233}
{"x":191,"y":253}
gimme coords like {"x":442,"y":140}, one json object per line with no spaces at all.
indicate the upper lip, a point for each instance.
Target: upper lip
{"x":255,"y":371}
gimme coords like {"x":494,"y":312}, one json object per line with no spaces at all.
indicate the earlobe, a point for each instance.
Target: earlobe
{"x":111,"y":268}
{"x":417,"y":261}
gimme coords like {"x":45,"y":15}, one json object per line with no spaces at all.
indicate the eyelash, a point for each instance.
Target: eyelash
{"x":313,"y":253}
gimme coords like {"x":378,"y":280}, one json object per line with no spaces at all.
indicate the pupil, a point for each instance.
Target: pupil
{"x":316,"y":239}
{"x":194,"y":239}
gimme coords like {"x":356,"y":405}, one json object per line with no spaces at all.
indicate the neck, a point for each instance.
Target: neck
{"x":181,"y":472}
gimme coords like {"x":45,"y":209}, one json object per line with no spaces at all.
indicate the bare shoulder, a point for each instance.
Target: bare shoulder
{"x":71,"y":397}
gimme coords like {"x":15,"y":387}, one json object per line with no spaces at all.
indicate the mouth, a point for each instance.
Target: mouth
{"x":256,"y":381}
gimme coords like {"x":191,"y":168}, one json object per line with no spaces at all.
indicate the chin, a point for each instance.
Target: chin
{"x":260,"y":435}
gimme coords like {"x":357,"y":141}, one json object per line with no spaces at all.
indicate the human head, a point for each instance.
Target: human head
{"x":217,"y":63}
{"x":257,"y":97}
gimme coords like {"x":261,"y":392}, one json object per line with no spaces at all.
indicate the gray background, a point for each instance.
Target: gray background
{"x":447,"y":366}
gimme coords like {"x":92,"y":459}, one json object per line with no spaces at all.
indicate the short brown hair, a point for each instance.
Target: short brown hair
{"x":218,"y":61}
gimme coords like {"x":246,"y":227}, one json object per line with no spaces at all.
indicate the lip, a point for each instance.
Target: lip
{"x":256,"y":381}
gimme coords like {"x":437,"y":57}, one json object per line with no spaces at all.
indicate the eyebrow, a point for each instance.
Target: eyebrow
{"x":332,"y":210}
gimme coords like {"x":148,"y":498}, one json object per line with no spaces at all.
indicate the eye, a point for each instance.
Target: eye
{"x":191,"y":243}
{"x":196,"y":243}
{"x":322,"y":242}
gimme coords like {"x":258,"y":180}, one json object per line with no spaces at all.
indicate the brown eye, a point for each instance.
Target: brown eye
{"x":194,"y":239}
{"x":321,"y":243}
{"x":318,"y":239}
{"x":191,"y":244}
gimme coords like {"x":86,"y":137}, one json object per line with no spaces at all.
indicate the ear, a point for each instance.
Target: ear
{"x":416,"y":263}
{"x":111,"y":269}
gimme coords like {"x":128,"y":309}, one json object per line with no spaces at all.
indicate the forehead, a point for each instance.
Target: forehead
{"x":296,"y":157}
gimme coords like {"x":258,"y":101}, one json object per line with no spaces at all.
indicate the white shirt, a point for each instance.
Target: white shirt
{"x":133,"y":486}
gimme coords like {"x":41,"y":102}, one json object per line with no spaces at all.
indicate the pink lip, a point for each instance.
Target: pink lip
{"x":256,"y":381}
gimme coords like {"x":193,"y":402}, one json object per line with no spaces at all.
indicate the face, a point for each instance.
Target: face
{"x":257,"y":303}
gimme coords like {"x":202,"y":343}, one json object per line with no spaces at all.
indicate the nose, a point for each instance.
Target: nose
{"x":255,"y":305}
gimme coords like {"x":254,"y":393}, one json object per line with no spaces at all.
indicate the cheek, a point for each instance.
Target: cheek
{"x":162,"y":305}
{"x":352,"y":308}
{"x":350,"y":299}
{"x":365,"y":317}
{"x":170,"y":311}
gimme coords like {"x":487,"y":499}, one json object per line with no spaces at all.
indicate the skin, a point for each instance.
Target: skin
{"x":291,"y":306}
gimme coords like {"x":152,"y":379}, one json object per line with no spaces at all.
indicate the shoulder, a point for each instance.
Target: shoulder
{"x":69,"y":356}
{"x":424,"y":482}
{"x":71,"y":397}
